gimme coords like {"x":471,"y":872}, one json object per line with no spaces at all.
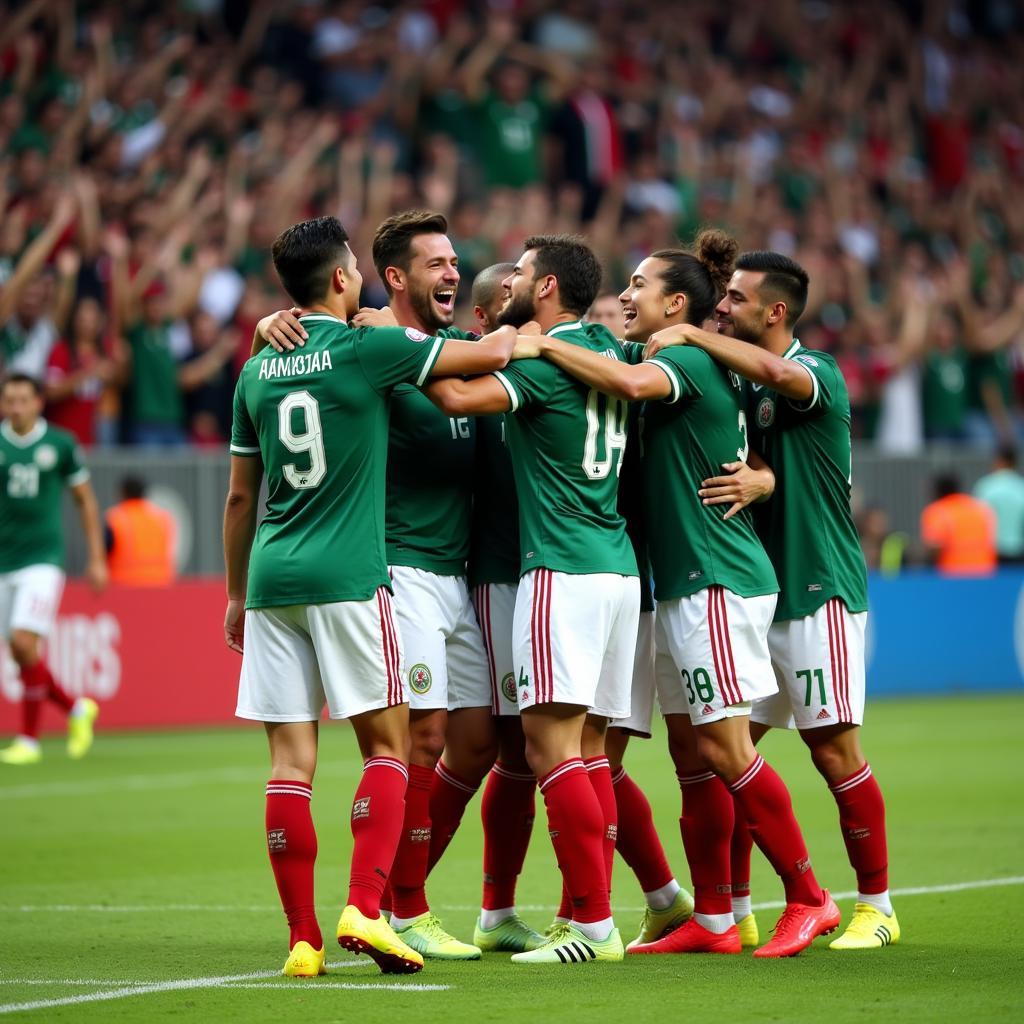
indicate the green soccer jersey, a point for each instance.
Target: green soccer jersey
{"x":34,"y":470}
{"x":687,"y":438}
{"x":944,"y":393}
{"x":430,"y":481}
{"x":567,"y":442}
{"x":319,"y":419}
{"x":807,"y":526}
{"x":156,"y":394}
{"x":494,"y":539}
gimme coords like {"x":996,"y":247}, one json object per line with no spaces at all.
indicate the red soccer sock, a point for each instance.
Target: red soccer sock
{"x":577,"y":829}
{"x":409,"y":874}
{"x":291,"y":842}
{"x":449,"y":796}
{"x":638,"y":843}
{"x":35,"y":685}
{"x":706,"y":827}
{"x":377,"y":813}
{"x":507,"y":811}
{"x":862,"y":819}
{"x":769,"y":810}
{"x":600,"y":774}
{"x":742,"y":844}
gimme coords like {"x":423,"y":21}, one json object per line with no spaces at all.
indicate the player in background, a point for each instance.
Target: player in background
{"x":716,"y":594}
{"x":799,"y":414}
{"x":37,"y":461}
{"x":309,"y":602}
{"x":575,"y":620}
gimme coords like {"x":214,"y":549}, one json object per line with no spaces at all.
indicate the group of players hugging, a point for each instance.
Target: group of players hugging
{"x":490,"y":551}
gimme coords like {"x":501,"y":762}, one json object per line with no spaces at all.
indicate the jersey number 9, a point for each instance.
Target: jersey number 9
{"x":309,"y":442}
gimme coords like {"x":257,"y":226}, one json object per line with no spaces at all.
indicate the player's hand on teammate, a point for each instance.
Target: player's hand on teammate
{"x":677,"y":334}
{"x":282,"y":330}
{"x":234,"y":625}
{"x":527,"y":347}
{"x":370,"y":317}
{"x":741,"y":486}
{"x":97,"y":574}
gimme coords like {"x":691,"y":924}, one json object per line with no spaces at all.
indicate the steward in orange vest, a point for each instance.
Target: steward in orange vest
{"x":140,"y":539}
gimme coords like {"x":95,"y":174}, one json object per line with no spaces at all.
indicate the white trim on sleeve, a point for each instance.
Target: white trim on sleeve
{"x":673,"y":379}
{"x":237,"y":449}
{"x":435,"y":352}
{"x":80,"y":476}
{"x":513,"y":395}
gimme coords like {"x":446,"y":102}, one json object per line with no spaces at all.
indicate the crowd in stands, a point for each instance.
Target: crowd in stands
{"x":149,"y":154}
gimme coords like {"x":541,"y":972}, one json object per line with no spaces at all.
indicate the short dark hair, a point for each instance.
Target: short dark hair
{"x":784,"y":279}
{"x":488,"y":281}
{"x":392,"y":241}
{"x":700,"y":275}
{"x":24,"y":378}
{"x":946,"y":484}
{"x":1007,"y":453}
{"x":572,"y":261}
{"x":305,"y":256}
{"x":133,"y":487}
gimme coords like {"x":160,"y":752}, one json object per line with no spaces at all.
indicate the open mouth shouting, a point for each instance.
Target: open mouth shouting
{"x":444,"y":296}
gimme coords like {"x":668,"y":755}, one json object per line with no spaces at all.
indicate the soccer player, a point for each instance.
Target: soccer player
{"x":578,"y":598}
{"x":716,"y":594}
{"x":799,"y":415}
{"x":309,"y":603}
{"x":36,"y":462}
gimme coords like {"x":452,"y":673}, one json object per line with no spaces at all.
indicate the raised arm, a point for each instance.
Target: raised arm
{"x":634,"y":383}
{"x":239,"y":530}
{"x":783,"y":375}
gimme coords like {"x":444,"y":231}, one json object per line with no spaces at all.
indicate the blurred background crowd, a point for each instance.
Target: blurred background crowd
{"x":150,"y":153}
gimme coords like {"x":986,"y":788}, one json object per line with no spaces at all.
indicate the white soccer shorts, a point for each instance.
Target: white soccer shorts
{"x":446,"y":666}
{"x":29,"y":599}
{"x":819,"y":663}
{"x":644,"y":682}
{"x":347,"y":654}
{"x":718,"y":643}
{"x":495,"y":605}
{"x":574,"y":637}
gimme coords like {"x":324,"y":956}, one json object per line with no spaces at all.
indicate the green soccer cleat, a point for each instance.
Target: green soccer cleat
{"x":573,"y":947}
{"x":22,"y":751}
{"x":512,"y":935}
{"x":659,"y":923}
{"x":80,"y":723}
{"x":429,"y":939}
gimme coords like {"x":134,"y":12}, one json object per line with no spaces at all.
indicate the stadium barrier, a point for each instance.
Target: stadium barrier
{"x":156,"y":658}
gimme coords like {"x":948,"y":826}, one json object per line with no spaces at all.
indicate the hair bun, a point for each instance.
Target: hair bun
{"x":716,"y":251}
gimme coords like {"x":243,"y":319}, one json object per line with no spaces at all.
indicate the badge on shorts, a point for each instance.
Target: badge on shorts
{"x":508,"y":687}
{"x":420,"y":678}
{"x":765,"y":412}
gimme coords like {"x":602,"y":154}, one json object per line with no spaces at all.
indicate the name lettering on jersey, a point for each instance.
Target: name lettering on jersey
{"x":295,"y":365}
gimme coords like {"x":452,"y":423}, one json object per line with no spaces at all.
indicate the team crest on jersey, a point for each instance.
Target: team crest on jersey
{"x":805,"y":359}
{"x":508,"y":687}
{"x":420,"y":678}
{"x":413,"y":335}
{"x":765,"y":412}
{"x":45,"y":456}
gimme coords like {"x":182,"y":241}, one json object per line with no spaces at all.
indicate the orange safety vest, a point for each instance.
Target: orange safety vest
{"x":143,"y":551}
{"x":963,"y":530}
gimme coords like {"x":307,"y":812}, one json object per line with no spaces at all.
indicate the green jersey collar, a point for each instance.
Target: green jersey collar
{"x":23,"y":440}
{"x":792,"y":350}
{"x":321,"y":316}
{"x":558,"y":328}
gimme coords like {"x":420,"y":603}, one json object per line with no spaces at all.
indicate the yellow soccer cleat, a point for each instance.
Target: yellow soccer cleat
{"x":80,"y":722}
{"x":360,"y":934}
{"x":749,"y":935}
{"x":428,"y":938}
{"x":22,"y":751}
{"x":659,"y":923}
{"x":513,"y":935}
{"x":305,"y":962}
{"x":571,"y":946}
{"x":868,"y":929}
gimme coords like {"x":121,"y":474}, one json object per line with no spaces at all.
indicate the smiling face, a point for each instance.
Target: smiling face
{"x":741,"y":313}
{"x":432,"y":280}
{"x":644,"y":302}
{"x":520,"y":302}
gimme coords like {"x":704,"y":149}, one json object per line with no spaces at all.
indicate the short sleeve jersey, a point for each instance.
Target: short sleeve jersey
{"x":687,"y":438}
{"x":494,"y":540}
{"x":429,"y":481}
{"x":156,"y":396}
{"x":567,"y":443}
{"x":807,"y":526}
{"x":34,"y":470}
{"x":318,"y":417}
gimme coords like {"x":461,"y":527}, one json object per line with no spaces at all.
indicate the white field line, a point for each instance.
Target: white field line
{"x":101,"y":908}
{"x":251,"y":979}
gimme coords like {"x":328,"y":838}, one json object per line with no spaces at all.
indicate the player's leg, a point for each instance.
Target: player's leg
{"x":32,"y":596}
{"x":359,"y":653}
{"x":280,"y":685}
{"x":742,"y":841}
{"x":823,"y":659}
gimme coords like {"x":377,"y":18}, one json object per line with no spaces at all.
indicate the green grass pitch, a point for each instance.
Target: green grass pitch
{"x":141,"y":873}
